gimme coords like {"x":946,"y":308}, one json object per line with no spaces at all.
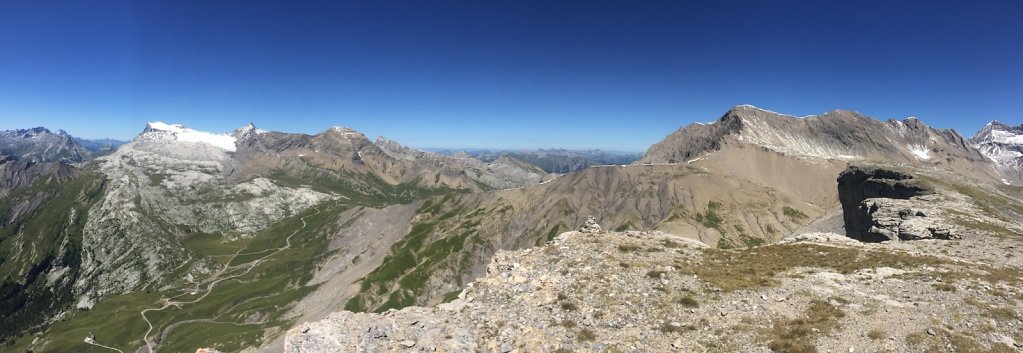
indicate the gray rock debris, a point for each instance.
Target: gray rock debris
{"x":591,"y":226}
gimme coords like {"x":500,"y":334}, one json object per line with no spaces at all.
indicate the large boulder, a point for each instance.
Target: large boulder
{"x":881,"y":204}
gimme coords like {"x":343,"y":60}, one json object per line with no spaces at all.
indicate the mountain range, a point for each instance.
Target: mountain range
{"x":182,"y":239}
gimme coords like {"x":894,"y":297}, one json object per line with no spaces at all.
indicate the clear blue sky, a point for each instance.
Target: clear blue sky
{"x":518,"y":74}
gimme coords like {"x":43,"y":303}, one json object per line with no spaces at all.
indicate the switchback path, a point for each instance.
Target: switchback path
{"x":250,"y":265}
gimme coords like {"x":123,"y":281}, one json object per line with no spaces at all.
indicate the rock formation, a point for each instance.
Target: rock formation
{"x":881,"y":204}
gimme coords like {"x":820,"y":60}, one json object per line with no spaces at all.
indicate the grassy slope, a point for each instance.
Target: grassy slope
{"x":48,"y":237}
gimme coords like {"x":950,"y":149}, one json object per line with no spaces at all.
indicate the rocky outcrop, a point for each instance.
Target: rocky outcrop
{"x":528,"y":302}
{"x":656,"y":292}
{"x":881,"y":204}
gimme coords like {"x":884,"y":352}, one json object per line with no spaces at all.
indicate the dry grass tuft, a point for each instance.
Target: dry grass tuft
{"x":797,"y":335}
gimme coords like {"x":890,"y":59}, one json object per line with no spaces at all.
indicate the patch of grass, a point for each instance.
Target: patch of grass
{"x":568,"y":323}
{"x":877,"y":334}
{"x":626,"y":248}
{"x":756,"y":267}
{"x":944,"y":287}
{"x":915,"y":338}
{"x":1001,"y":314}
{"x":710,"y":218}
{"x":655,"y":274}
{"x":451,"y":296}
{"x":725,"y":244}
{"x":624,"y":227}
{"x":585,"y":335}
{"x":669,"y":328}
{"x":793,"y":213}
{"x":746,"y":239}
{"x":797,"y":335}
{"x":569,"y":306}
{"x":668,"y":243}
{"x":689,"y":302}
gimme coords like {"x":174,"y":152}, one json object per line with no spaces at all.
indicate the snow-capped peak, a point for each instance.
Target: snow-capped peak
{"x":182,"y":133}
{"x":1001,"y":143}
{"x":249,"y":128}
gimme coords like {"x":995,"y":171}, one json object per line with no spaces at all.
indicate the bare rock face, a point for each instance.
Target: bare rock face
{"x":880,"y":204}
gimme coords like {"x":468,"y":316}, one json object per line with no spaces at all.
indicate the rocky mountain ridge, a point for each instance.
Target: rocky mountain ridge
{"x":41,"y":144}
{"x":838,"y":135}
{"x":553,"y":160}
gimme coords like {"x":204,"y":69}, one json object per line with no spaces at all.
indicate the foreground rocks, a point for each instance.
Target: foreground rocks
{"x":882,"y":204}
{"x":601,"y":291}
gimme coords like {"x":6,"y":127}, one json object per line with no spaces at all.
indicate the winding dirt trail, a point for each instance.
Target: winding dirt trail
{"x":107,"y":347}
{"x":209,"y":288}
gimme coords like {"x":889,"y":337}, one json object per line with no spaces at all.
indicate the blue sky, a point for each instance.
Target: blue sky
{"x":618,"y":75}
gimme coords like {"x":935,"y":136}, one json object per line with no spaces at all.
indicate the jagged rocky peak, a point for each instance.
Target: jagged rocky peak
{"x":999,"y":132}
{"x":398,"y":151}
{"x":346,"y":133}
{"x":1000,"y":142}
{"x":37,"y":131}
{"x":247,"y":130}
{"x":42,"y":144}
{"x":160,"y":131}
{"x":391,"y":145}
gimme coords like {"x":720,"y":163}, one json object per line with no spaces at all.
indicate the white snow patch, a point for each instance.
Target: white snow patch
{"x":1006,"y":182}
{"x":919,"y":151}
{"x":1006,"y":137}
{"x":181,"y":133}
